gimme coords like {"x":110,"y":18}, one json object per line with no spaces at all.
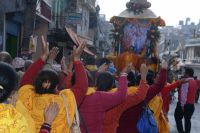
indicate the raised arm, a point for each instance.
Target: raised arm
{"x":34,"y":69}
{"x":81,"y":81}
{"x":32,"y":72}
{"x":140,"y":95}
{"x":170,"y":87}
{"x":66,"y":75}
{"x":65,"y":81}
{"x":68,"y":80}
{"x":159,"y":83}
{"x":109,"y":99}
{"x":52,"y":56}
{"x":131,"y":100}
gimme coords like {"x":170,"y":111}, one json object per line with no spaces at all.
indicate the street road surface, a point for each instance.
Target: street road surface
{"x":195,"y":119}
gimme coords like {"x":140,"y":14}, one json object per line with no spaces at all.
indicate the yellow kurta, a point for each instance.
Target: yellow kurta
{"x":131,"y":90}
{"x":36,"y":103}
{"x":156,"y":106}
{"x":11,"y":121}
{"x":22,"y":109}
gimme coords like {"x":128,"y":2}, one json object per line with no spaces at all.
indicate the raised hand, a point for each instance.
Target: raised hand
{"x":144,"y":71}
{"x":51,"y":112}
{"x":78,"y":51}
{"x":53,"y":54}
{"x":63,"y":65}
{"x":45,"y":49}
{"x":164,"y":64}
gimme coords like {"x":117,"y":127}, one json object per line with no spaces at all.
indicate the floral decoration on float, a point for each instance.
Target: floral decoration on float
{"x":136,"y":34}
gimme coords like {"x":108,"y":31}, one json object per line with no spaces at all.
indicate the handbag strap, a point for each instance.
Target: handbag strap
{"x":66,"y":108}
{"x":76,"y":117}
{"x":76,"y":113}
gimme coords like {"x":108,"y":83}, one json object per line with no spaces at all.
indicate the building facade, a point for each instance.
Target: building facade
{"x":192,"y":58}
{"x":105,"y":41}
{"x":14,"y":24}
{"x":48,"y":18}
{"x":183,"y":42}
{"x":11,"y":16}
{"x":78,"y":15}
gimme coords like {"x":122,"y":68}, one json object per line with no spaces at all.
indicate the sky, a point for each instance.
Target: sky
{"x":170,"y":10}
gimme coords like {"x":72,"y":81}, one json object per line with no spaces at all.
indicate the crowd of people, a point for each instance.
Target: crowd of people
{"x":91,"y":97}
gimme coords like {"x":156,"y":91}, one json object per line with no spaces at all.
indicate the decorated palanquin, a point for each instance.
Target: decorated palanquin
{"x":136,"y":35}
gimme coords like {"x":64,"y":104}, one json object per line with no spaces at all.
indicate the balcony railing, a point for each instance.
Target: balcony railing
{"x":193,"y":61}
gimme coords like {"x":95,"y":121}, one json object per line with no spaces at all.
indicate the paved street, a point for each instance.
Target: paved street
{"x":195,"y":119}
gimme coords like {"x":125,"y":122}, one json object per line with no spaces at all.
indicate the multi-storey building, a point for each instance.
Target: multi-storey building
{"x":184,"y":43}
{"x":19,"y":19}
{"x":78,"y":15}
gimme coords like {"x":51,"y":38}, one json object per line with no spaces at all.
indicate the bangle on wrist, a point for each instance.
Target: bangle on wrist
{"x":47,"y":124}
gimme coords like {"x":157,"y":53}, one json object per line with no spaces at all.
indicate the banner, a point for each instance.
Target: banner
{"x":33,"y":44}
{"x":74,"y":18}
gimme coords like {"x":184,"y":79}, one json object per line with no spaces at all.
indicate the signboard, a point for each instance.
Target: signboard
{"x":33,"y":44}
{"x":74,"y":18}
{"x":44,"y":10}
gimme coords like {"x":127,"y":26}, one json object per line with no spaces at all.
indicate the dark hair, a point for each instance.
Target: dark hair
{"x":154,"y":60}
{"x":91,"y":61}
{"x":27,"y":64}
{"x":44,"y":75}
{"x":91,"y":78}
{"x":189,"y":71}
{"x":170,"y":76}
{"x":8,"y":80}
{"x":105,"y":81}
{"x":5,"y":57}
{"x":138,"y":78}
{"x":150,"y":77}
{"x":102,"y":61}
{"x":132,"y":79}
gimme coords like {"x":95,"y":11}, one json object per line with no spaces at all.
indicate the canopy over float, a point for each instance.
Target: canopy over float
{"x":136,"y":34}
